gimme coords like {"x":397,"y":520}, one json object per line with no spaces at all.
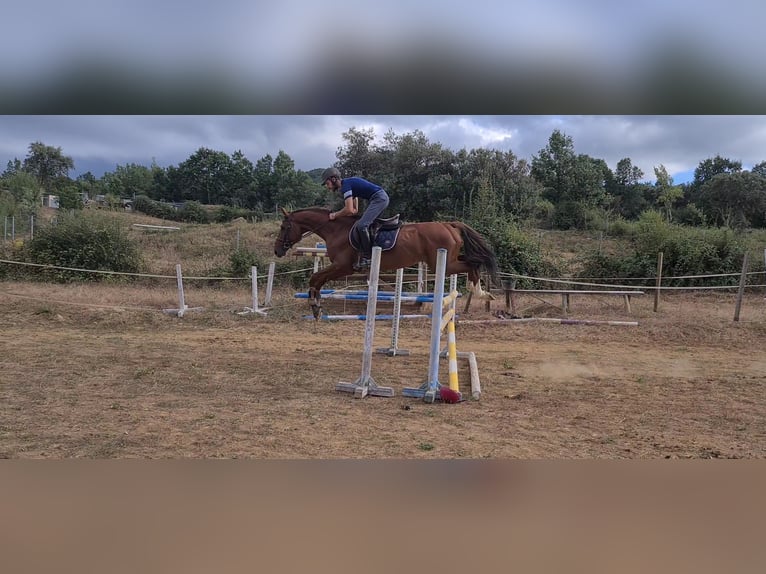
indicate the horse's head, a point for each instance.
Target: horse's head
{"x":290,"y":233}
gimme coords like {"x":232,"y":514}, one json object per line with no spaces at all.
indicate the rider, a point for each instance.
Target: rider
{"x":352,"y":188}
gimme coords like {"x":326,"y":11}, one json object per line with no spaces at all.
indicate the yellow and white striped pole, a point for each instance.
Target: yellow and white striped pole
{"x":452,"y":356}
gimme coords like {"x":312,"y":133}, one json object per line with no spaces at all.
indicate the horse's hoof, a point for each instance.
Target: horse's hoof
{"x":316,"y":311}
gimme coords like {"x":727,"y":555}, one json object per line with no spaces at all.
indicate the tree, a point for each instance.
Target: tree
{"x":415,"y":172}
{"x":24,"y":193}
{"x":553,"y":167}
{"x":241,"y":180}
{"x":47,"y":164}
{"x":709,"y":168}
{"x":12,"y":167}
{"x":261,"y":195}
{"x":573,"y":183}
{"x":759,"y":169}
{"x":357,"y":156}
{"x":128,"y":181}
{"x":626,"y":174}
{"x":666,"y":193}
{"x":203,"y":177}
{"x":509,"y":178}
{"x":735,"y":200}
{"x":70,"y":195}
{"x":293,"y":188}
{"x":161,"y":187}
{"x":627,"y":191}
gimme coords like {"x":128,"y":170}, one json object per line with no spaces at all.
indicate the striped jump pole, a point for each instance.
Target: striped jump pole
{"x":387,"y":297}
{"x":365,"y":384}
{"x":451,"y":350}
{"x":379,"y":317}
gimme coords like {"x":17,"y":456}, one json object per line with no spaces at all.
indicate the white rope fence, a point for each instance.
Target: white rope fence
{"x":653,"y":287}
{"x":657,"y":288}
{"x":182,"y":308}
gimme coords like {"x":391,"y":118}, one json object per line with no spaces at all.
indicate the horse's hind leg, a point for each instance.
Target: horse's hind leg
{"x":474,"y":279}
{"x":474,"y":284}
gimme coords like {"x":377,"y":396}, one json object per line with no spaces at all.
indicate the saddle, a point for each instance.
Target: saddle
{"x":384,"y":232}
{"x":385,"y":224}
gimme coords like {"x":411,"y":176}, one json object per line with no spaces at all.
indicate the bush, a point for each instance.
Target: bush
{"x":157,"y":209}
{"x":515,"y":251}
{"x":569,"y":215}
{"x":193,"y":212}
{"x":597,"y":265}
{"x":685,"y":251}
{"x":621,"y":228}
{"x":84,"y":240}
{"x":689,"y":215}
{"x":288,"y":271}
{"x":226,"y":213}
{"x":241,"y":260}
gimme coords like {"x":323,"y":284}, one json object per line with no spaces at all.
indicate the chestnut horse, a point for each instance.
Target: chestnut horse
{"x":467,"y":251}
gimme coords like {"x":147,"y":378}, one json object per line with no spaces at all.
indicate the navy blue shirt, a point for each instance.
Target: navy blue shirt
{"x":358,"y":187}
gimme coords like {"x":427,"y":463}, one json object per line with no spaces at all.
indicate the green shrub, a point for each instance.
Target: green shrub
{"x":157,"y":209}
{"x":226,"y":213}
{"x":569,"y":215}
{"x":84,"y":240}
{"x":689,"y":215}
{"x":288,"y":269}
{"x":241,"y":260}
{"x":193,"y":212}
{"x":595,"y":219}
{"x":621,"y":228}
{"x":516,"y":252}
{"x":685,"y":251}
{"x":598,"y":265}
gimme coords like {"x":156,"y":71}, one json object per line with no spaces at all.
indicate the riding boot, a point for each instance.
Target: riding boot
{"x":365,"y":248}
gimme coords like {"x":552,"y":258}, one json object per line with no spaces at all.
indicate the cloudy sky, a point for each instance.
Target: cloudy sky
{"x":100,"y":143}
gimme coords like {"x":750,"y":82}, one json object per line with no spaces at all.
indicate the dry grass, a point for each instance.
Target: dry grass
{"x":202,"y":250}
{"x":98,"y":371}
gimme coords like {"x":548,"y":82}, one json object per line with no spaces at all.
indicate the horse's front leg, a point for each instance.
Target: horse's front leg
{"x":316,"y":282}
{"x":315,"y":301}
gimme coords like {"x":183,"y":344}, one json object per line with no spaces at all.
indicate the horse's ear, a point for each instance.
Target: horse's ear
{"x":284,"y":211}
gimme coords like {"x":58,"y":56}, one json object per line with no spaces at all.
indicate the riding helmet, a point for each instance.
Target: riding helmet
{"x":330,"y":172}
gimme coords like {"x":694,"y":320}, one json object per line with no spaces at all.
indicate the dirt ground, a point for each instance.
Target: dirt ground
{"x":99,"y":371}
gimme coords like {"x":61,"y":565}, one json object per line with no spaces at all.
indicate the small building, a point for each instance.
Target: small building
{"x":51,"y":201}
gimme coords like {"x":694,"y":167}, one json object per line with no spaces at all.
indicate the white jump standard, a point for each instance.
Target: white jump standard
{"x":430,"y":390}
{"x":365,"y":384}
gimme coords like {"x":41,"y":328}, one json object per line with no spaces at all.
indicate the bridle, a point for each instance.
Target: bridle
{"x":286,"y":243}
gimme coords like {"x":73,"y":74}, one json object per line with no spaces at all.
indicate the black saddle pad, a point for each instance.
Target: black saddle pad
{"x":385,"y":239}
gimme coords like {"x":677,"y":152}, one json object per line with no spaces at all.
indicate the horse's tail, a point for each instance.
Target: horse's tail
{"x":476,"y":251}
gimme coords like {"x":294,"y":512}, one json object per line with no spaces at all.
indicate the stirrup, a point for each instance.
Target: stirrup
{"x":362,"y":263}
